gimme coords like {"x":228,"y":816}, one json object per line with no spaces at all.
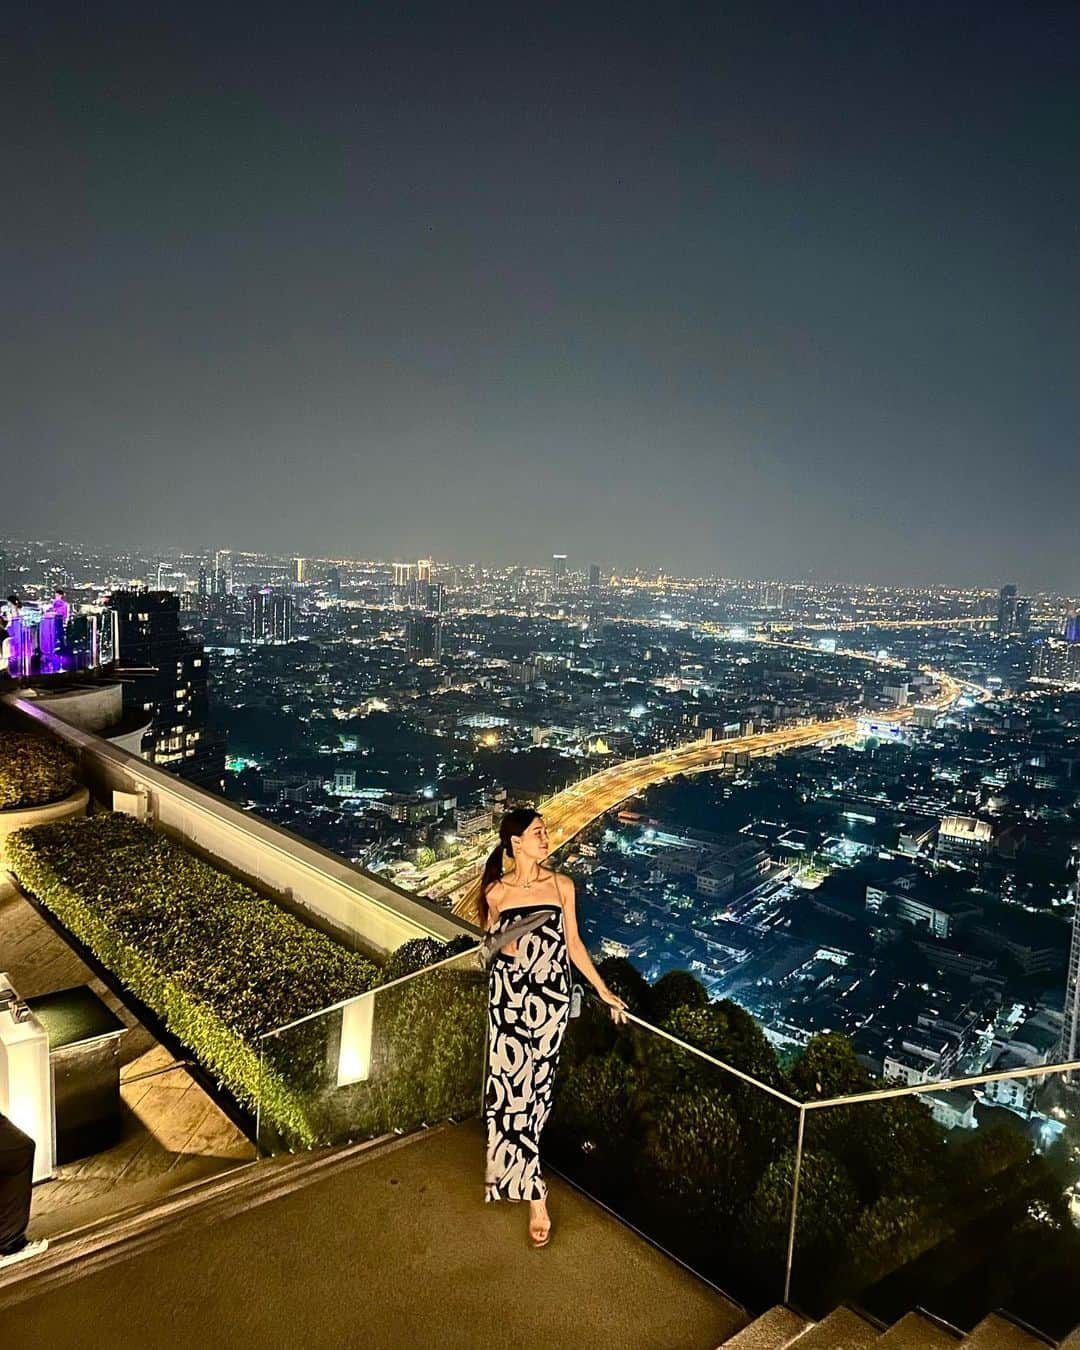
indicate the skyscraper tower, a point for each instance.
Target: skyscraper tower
{"x":423,"y":637}
{"x":166,"y":674}
{"x":299,"y":570}
{"x":1070,"y":1032}
{"x":1006,"y":615}
{"x":558,"y":572}
{"x":221,"y":581}
{"x":269,"y":615}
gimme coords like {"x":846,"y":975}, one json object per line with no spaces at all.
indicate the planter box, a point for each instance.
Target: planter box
{"x":23,"y":817}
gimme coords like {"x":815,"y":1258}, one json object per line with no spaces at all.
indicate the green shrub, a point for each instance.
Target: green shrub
{"x":418,"y":953}
{"x":695,"y":1152}
{"x":676,"y":989}
{"x":35,"y":770}
{"x":218,"y":963}
{"x":622,"y":977}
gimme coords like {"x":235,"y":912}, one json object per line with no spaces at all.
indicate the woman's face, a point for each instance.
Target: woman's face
{"x":532,"y":843}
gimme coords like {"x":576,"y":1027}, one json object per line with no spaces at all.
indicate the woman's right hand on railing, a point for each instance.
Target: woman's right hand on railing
{"x":616,"y":1006}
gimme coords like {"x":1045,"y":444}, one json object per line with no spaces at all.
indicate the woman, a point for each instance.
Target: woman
{"x":529,"y":1005}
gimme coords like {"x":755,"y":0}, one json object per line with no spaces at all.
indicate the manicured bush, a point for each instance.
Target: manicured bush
{"x":624,"y":978}
{"x":218,"y":963}
{"x":417,"y":954}
{"x":427,"y":1056}
{"x":676,"y":989}
{"x":35,"y":770}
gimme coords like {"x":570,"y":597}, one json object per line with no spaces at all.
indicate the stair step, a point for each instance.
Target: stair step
{"x":841,"y":1330}
{"x":774,"y":1330}
{"x":995,"y":1333}
{"x":915,"y":1332}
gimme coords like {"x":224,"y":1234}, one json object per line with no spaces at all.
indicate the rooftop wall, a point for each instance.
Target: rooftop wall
{"x":331,"y":894}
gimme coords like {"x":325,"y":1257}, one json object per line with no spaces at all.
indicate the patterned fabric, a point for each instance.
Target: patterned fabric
{"x":528,"y":1009}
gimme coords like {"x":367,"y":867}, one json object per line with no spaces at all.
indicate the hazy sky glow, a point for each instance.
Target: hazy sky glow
{"x":746,"y":288}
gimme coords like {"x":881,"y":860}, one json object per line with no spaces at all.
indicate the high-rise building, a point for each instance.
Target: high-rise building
{"x":1070,"y":1032}
{"x":204,"y":586}
{"x":1022,"y":615}
{"x":594,"y":577}
{"x":423,"y":569}
{"x":772,"y":594}
{"x":221,"y":581}
{"x":404,"y":591}
{"x":333,"y":583}
{"x":436,"y":597}
{"x":269,"y":615}
{"x":1059,"y":660}
{"x":300,"y":571}
{"x":170,"y":580}
{"x":164,"y":671}
{"x":558,"y":573}
{"x":1071,"y":631}
{"x":423,"y":637}
{"x":1006,"y":615}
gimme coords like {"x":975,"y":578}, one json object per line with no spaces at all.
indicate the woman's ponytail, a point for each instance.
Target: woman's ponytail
{"x":492,"y":873}
{"x":513,"y":824}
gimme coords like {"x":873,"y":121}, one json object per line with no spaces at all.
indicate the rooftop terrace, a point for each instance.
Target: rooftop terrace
{"x":388,"y":1244}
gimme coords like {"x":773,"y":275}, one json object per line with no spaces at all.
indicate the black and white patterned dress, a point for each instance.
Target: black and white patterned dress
{"x":528,"y":1008}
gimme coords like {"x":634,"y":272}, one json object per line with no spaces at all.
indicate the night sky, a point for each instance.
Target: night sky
{"x":747,"y":289}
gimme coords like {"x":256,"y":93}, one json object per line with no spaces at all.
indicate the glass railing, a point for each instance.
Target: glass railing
{"x":786,"y":1185}
{"x":38,"y":643}
{"x":698,"y":1155}
{"x":961,"y":1198}
{"x":406,"y":1054}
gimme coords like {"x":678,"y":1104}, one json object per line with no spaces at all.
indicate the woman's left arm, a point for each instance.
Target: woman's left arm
{"x":578,"y":953}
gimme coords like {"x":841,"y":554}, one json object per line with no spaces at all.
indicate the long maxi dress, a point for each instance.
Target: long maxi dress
{"x":528,"y":1009}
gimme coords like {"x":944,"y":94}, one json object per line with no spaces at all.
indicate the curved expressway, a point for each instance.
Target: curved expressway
{"x":568,"y":812}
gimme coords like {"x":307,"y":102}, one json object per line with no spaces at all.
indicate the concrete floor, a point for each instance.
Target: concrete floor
{"x":173,"y":1133}
{"x":395,"y":1250}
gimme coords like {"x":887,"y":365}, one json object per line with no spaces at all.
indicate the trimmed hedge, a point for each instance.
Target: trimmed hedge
{"x":427,"y":1058}
{"x":218,"y":963}
{"x":35,"y":770}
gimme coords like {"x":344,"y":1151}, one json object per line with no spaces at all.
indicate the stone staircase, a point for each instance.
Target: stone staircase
{"x":845,"y":1329}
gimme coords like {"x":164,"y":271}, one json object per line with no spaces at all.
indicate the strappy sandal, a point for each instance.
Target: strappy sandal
{"x":540,"y":1231}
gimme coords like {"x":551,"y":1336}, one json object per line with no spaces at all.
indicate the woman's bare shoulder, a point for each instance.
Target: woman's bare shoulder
{"x":564,"y":886}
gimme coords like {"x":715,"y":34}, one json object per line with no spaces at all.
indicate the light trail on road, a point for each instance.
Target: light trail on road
{"x":576,"y":806}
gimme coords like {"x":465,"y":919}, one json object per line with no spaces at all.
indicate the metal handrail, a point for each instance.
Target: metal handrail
{"x":704,"y":1054}
{"x":944,"y":1085}
{"x":368,"y":993}
{"x":855,"y":1099}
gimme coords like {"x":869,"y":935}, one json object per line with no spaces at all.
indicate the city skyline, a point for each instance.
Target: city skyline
{"x":621,"y":459}
{"x":579,"y":567}
{"x":762,"y":301}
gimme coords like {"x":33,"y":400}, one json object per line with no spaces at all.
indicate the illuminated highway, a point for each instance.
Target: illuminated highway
{"x":570,"y":811}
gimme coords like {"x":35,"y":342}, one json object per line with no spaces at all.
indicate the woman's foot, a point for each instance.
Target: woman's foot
{"x":539,"y":1223}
